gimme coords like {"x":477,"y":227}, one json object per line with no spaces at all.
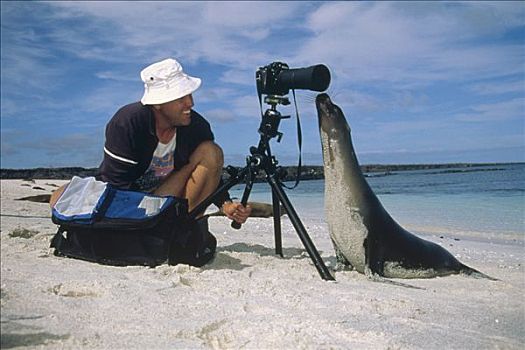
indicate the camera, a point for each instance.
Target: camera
{"x":277,"y":78}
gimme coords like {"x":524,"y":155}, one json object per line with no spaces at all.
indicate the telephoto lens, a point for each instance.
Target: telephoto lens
{"x":277,"y":78}
{"x":315,"y":78}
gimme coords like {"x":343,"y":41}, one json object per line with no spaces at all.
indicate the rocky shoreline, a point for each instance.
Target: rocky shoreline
{"x":308,"y":172}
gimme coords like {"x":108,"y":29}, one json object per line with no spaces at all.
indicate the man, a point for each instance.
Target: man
{"x":161,"y":145}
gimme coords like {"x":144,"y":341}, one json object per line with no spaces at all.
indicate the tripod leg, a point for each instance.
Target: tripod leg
{"x":277,"y":223}
{"x":301,"y":231}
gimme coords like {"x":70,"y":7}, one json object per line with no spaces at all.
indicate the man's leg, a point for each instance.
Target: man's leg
{"x":195,"y":182}
{"x":198,"y":179}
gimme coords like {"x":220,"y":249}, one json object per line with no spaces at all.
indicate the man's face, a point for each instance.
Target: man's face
{"x":177,"y":112}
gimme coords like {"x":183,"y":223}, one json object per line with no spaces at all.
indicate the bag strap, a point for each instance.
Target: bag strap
{"x":105,"y":204}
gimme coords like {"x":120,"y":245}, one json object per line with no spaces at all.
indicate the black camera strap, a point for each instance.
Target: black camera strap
{"x":299,"y":143}
{"x":259,"y":95}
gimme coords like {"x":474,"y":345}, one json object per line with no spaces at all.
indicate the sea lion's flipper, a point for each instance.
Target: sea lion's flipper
{"x":342,"y":262}
{"x":376,"y":278}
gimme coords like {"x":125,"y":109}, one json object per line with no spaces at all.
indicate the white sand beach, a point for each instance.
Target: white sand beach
{"x":248,"y":298}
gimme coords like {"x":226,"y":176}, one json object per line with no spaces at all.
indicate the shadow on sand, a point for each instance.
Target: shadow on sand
{"x":223,"y":260}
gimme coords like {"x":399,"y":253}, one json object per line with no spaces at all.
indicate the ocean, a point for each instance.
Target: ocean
{"x":484,"y":201}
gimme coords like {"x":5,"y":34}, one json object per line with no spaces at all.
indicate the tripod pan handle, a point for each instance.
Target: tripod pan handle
{"x":236,"y":225}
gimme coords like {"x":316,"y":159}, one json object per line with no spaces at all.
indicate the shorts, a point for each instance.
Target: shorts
{"x":147,"y":182}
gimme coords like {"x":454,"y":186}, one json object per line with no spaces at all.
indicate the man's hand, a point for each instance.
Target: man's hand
{"x":236,"y":211}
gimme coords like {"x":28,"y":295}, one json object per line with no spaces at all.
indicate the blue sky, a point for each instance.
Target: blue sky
{"x":419,"y":82}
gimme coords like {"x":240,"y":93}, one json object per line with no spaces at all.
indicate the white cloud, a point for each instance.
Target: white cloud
{"x":495,"y":112}
{"x":219,"y":32}
{"x":213,"y":94}
{"x":247,"y":106}
{"x":105,"y":100}
{"x":421,"y":43}
{"x":499,"y":87}
{"x":117,"y":76}
{"x":219,"y":115}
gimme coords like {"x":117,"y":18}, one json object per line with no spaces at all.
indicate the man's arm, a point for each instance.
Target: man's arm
{"x":120,"y":166}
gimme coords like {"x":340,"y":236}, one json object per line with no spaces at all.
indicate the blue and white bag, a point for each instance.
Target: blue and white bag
{"x":103,"y":224}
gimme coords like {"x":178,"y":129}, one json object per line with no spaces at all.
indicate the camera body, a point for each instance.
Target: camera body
{"x":277,"y":78}
{"x":267,"y":79}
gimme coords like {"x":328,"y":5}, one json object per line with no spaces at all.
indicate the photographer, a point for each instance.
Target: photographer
{"x":161,"y":145}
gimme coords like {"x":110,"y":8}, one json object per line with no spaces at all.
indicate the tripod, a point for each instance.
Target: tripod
{"x":261,"y":158}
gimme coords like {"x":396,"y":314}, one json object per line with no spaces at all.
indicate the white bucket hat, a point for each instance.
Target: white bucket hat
{"x":165,"y":81}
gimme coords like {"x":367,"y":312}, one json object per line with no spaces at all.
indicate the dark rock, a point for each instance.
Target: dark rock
{"x":41,"y":198}
{"x":308,"y":172}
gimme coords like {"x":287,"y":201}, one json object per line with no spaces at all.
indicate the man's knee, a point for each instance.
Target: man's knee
{"x":210,"y":153}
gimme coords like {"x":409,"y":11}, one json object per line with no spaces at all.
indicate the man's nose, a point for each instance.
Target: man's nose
{"x":188,"y":101}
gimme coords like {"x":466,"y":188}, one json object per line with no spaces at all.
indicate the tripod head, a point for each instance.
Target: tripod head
{"x":274,"y":100}
{"x":271,"y":119}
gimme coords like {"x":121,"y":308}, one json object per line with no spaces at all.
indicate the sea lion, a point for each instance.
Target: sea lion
{"x":364,"y":235}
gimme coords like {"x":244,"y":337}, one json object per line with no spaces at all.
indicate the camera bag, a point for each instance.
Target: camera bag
{"x":103,"y":224}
